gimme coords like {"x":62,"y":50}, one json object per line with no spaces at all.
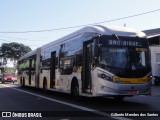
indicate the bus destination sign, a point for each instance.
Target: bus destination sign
{"x":125,"y":43}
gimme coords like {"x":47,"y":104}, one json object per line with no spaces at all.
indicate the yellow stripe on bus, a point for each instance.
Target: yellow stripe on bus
{"x":142,"y":80}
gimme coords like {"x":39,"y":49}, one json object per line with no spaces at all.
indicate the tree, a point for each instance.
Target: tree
{"x":13,"y":50}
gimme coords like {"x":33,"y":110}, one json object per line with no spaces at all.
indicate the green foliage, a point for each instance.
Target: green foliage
{"x":13,"y":50}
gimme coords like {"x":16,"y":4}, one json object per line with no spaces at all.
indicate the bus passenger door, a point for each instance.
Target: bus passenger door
{"x":52,"y":69}
{"x":30,"y":69}
{"x":86,"y":68}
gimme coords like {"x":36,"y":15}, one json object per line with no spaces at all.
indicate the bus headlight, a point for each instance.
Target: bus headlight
{"x":104,"y":76}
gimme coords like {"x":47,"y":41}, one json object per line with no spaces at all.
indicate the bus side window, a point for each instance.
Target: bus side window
{"x":66,"y":65}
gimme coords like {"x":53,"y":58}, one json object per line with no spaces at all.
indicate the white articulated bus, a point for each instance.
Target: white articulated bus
{"x":93,"y":61}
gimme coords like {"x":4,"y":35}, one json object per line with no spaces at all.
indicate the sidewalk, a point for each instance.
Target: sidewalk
{"x":155,"y":90}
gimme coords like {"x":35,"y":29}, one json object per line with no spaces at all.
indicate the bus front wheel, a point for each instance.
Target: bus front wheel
{"x":75,"y":90}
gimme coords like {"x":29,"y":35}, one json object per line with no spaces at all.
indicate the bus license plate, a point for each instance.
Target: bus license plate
{"x":132,"y":91}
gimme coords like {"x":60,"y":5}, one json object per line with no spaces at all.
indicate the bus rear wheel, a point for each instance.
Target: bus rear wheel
{"x":23,"y":82}
{"x":44,"y":85}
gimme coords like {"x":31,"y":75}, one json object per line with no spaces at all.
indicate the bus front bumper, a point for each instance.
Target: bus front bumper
{"x":112,"y":89}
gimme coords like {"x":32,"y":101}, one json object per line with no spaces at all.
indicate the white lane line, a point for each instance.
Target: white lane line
{"x":71,"y":105}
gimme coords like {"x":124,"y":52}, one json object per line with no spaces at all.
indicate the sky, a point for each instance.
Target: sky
{"x":37,"y":15}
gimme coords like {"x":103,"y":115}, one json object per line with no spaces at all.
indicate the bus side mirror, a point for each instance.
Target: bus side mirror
{"x":95,"y":49}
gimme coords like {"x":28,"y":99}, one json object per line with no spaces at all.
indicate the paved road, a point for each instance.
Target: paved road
{"x":15,"y":98}
{"x":18,"y":101}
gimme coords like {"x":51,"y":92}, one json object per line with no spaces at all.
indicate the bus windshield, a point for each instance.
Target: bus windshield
{"x":122,"y":57}
{"x":125,"y":61}
{"x":114,"y":57}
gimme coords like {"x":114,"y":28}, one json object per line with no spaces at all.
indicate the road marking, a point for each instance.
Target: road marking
{"x":70,"y":104}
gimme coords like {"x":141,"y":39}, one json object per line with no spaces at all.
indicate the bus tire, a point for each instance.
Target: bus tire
{"x":75,"y":89}
{"x":23,"y":82}
{"x":44,"y":85}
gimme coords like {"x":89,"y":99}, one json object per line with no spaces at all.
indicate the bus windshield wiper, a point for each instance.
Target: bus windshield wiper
{"x":115,"y":36}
